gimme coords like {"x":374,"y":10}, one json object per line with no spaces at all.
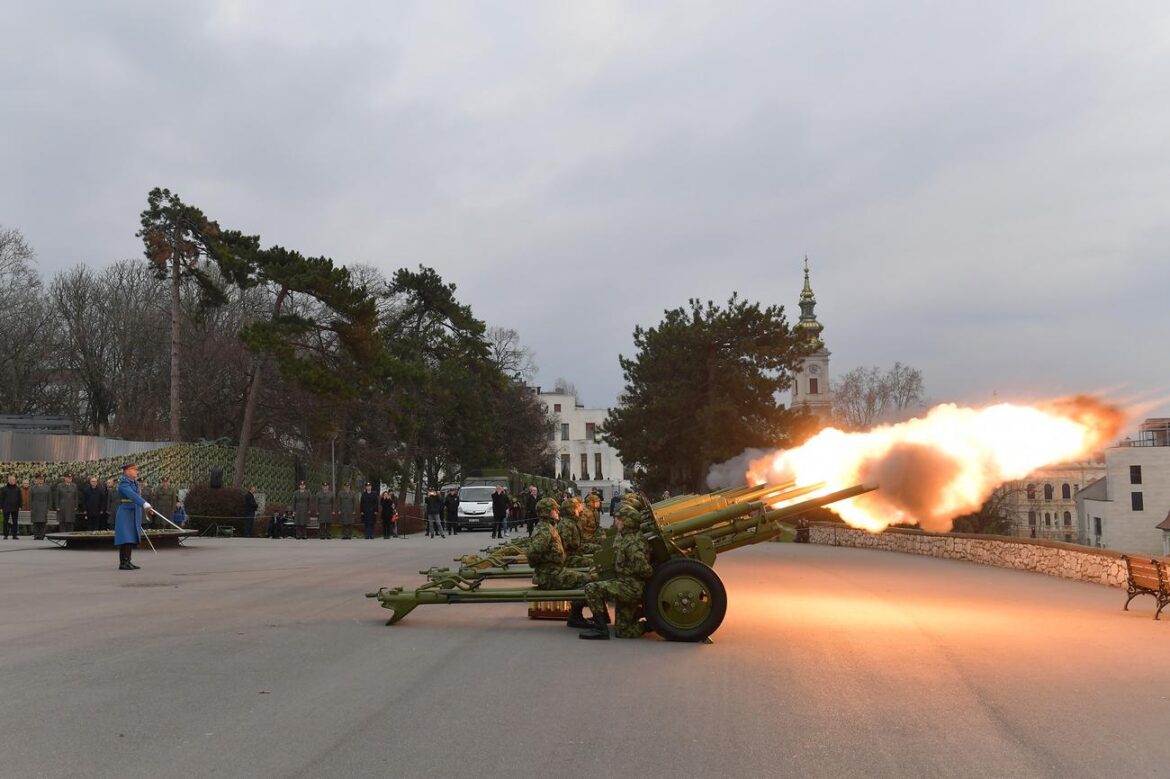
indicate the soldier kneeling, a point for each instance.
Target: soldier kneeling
{"x":546,"y":555}
{"x":631,"y":564}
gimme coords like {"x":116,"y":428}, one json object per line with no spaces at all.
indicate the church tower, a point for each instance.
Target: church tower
{"x":810,"y":385}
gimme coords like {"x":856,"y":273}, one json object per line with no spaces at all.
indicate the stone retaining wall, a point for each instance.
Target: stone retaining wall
{"x":1068,"y":561}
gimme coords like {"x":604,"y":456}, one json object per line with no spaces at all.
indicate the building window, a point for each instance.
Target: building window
{"x":564,"y":466}
{"x":1097,"y":526}
{"x":1136,"y":502}
{"x":1047,"y":492}
{"x":1031,"y":492}
{"x":564,"y":431}
{"x":552,"y":434}
{"x":597,"y":466}
{"x":556,"y":408}
{"x":584,"y":466}
{"x":590,"y":431}
{"x":813,"y":387}
{"x":1032,"y":518}
{"x":1047,"y":519}
{"x":1065,"y":492}
{"x":1135,"y":474}
{"x":1068,"y":519}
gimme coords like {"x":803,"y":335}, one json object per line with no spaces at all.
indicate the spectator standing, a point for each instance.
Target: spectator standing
{"x":451,"y":504}
{"x":40,"y":499}
{"x":389,"y":508}
{"x":93,"y":501}
{"x":111,"y":505}
{"x":10,"y":497}
{"x":251,"y":506}
{"x":434,"y":509}
{"x":66,"y":500}
{"x":369,"y":509}
{"x":530,"y":508}
{"x":614,"y":502}
{"x":346,"y":508}
{"x":500,"y":505}
{"x":325,"y":512}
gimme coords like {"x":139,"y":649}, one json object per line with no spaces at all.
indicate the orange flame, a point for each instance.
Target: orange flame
{"x":937,"y":467}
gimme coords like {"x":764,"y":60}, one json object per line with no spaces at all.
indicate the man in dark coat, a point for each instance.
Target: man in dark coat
{"x":530,"y":508}
{"x":93,"y":501}
{"x":66,"y":499}
{"x":10,"y":498}
{"x":110,"y":507}
{"x":251,"y":506}
{"x":451,"y":504}
{"x":369,"y":509}
{"x":434,"y":509}
{"x":500,"y":504}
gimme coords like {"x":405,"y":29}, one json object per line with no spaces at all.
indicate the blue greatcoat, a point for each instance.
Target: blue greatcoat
{"x":128,"y":520}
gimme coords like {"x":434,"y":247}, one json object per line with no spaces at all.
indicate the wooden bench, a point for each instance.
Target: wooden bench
{"x":1147,"y":577}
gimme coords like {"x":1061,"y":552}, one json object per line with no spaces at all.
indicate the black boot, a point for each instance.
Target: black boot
{"x":124,"y":558}
{"x":576,"y":617}
{"x":598,"y":632}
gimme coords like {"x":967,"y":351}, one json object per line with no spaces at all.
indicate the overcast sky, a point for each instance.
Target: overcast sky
{"x":982,"y":188}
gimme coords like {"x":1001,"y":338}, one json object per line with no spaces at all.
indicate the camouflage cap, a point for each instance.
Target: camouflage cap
{"x":592,"y":498}
{"x":546,"y":507}
{"x":569,"y":505}
{"x":631,"y":518}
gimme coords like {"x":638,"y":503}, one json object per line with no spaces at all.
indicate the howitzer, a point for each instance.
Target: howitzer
{"x":684,"y":599}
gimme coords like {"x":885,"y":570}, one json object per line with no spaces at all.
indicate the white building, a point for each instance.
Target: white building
{"x":579,"y":453}
{"x":1044,"y":505}
{"x":810,"y":385}
{"x":1123,"y":510}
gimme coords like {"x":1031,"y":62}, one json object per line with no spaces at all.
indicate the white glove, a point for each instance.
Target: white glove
{"x":145,"y":506}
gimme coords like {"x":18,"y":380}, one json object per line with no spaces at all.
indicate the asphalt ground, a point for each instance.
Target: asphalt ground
{"x":260,"y":658}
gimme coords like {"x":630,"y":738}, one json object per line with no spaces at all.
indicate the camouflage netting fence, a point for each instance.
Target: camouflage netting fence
{"x":186,"y":465}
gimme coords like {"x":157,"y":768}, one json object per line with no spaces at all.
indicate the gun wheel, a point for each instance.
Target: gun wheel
{"x":685,"y":600}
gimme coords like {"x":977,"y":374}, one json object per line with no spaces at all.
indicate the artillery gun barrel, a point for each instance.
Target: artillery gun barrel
{"x":747,"y":530}
{"x":705,"y":521}
{"x":678,"y":513}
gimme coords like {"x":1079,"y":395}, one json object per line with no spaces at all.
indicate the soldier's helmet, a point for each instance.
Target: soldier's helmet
{"x":593,"y":500}
{"x":546,"y":507}
{"x":635,"y":500}
{"x":631,"y":518}
{"x":568,"y":508}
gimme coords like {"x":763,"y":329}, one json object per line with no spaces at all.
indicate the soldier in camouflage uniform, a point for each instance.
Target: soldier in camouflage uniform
{"x":546,"y":555}
{"x":578,"y":554}
{"x":632,"y":569}
{"x":591,"y":530}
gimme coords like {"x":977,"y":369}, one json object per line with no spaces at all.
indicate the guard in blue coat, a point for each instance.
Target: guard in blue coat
{"x":128,"y":521}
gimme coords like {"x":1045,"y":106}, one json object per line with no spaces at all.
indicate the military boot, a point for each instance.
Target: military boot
{"x":123,"y":558}
{"x":577,"y":617}
{"x":599,"y":631}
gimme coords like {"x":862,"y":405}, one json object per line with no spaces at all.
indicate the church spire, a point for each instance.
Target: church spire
{"x":808,"y":326}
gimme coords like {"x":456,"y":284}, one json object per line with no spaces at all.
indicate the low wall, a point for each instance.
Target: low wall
{"x":1068,"y":561}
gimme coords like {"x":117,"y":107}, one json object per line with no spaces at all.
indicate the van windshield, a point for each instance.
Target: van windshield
{"x":476,"y":494}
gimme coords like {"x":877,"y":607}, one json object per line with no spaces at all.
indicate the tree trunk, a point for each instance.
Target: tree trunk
{"x":176,"y":409}
{"x":251,"y":400}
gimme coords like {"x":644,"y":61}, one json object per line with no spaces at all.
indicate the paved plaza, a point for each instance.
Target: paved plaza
{"x":260,"y":658}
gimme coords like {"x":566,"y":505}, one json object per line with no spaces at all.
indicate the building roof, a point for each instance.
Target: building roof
{"x":1164,"y":524}
{"x":808,"y":326}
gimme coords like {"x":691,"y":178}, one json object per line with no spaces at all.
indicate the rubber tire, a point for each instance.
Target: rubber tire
{"x":684,"y":566}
